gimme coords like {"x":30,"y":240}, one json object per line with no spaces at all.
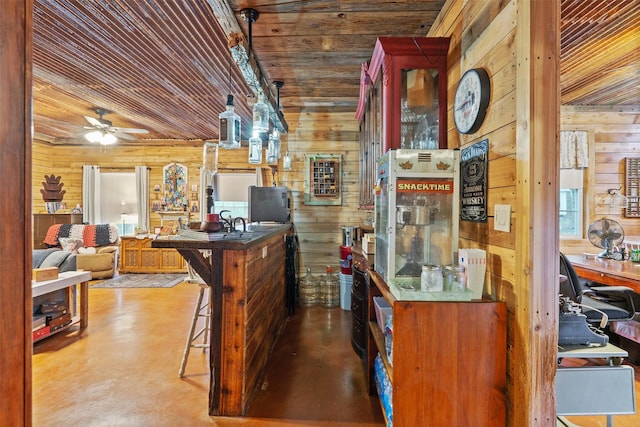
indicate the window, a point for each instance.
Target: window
{"x":571,"y":203}
{"x":118,"y":201}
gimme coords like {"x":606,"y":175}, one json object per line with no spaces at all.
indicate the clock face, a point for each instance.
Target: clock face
{"x":471,"y":100}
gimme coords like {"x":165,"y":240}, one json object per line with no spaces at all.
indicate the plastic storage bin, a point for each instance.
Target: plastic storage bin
{"x":383,"y":310}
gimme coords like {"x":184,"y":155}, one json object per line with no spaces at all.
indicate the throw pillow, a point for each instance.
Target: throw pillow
{"x":70,"y":245}
{"x":89,"y":250}
{"x":55,"y":259}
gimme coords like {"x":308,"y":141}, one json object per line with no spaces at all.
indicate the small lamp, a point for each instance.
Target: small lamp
{"x":123,"y":214}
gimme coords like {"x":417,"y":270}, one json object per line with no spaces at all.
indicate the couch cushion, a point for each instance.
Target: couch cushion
{"x":39,"y":255}
{"x":57,"y":258}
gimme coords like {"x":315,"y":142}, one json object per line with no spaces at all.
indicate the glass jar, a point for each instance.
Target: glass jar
{"x":329,"y":290}
{"x":308,"y":290}
{"x":431,"y":279}
{"x":455,"y":275}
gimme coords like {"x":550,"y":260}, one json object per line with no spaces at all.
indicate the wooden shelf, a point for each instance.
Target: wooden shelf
{"x":378,"y":338}
{"x":437,"y":349}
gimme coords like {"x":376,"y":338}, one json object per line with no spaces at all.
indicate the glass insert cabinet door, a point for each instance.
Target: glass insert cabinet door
{"x":403,"y":101}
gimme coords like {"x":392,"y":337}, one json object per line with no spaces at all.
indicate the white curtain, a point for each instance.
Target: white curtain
{"x":142,"y":197}
{"x":91,"y":194}
{"x":574,"y":149}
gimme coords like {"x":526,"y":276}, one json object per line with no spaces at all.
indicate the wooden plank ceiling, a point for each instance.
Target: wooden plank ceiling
{"x":164,"y":65}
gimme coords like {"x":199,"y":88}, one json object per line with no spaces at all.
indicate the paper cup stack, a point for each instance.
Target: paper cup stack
{"x":475,"y":263}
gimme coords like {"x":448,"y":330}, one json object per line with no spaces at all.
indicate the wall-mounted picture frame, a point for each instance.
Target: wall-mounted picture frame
{"x":323,"y":179}
{"x":194,"y":187}
{"x":195,"y":206}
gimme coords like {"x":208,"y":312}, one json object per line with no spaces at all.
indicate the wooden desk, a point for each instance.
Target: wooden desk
{"x":607,"y":271}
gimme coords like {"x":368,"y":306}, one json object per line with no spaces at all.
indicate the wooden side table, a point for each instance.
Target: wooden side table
{"x":67,"y":280}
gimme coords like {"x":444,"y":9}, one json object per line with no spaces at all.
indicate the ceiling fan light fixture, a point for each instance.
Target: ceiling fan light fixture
{"x":93,"y":136}
{"x":108,"y":139}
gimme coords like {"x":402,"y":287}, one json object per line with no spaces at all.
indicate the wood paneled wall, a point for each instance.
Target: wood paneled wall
{"x":499,"y":37}
{"x":319,"y":227}
{"x":613,"y":136}
{"x":310,"y":132}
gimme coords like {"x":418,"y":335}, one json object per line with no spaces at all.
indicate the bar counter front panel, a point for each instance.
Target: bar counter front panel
{"x":247,"y":279}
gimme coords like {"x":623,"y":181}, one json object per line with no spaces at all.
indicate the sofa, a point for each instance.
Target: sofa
{"x":85,"y":247}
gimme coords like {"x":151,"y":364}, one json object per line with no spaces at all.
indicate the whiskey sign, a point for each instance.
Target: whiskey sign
{"x":473,"y":182}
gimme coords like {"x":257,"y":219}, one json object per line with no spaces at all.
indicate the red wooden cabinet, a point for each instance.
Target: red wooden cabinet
{"x":403,"y":101}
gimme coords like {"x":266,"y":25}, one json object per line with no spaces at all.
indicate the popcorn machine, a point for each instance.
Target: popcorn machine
{"x":416,"y":215}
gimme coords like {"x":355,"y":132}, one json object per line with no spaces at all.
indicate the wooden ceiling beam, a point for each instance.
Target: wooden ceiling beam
{"x":246,"y":61}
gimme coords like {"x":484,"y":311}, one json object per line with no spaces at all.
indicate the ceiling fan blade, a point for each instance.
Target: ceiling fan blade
{"x":128,"y":130}
{"x":123,"y":135}
{"x":94,"y":122}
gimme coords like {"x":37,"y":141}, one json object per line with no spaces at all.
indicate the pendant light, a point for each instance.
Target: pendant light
{"x":255,"y":149}
{"x":229,"y":126}
{"x":229,"y":122}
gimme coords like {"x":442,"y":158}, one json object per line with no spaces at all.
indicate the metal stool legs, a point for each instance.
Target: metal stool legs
{"x":202,"y":305}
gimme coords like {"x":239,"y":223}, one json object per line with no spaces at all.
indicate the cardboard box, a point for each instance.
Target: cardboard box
{"x":369,"y":243}
{"x":42,"y":274}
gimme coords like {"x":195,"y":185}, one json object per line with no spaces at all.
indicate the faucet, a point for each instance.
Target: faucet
{"x":244,"y":224}
{"x":227,"y":221}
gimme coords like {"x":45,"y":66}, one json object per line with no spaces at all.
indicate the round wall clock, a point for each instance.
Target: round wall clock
{"x":471,"y":100}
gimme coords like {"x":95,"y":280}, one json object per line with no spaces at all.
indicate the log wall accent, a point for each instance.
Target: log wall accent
{"x":523,"y":65}
{"x":15,"y":238}
{"x":612,"y":136}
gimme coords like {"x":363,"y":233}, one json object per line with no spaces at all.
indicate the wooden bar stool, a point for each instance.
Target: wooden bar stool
{"x":202,"y":309}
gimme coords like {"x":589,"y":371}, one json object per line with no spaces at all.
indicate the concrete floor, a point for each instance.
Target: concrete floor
{"x":123,"y":370}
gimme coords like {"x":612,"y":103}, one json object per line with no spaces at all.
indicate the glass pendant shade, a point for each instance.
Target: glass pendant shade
{"x":94,"y":136}
{"x":255,"y":149}
{"x":108,"y":139}
{"x":102,"y":137}
{"x":229,"y":126}
{"x":209,"y":162}
{"x":286,"y":162}
{"x":273,"y":149}
{"x":260,"y":115}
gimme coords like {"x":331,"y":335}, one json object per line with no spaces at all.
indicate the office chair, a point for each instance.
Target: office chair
{"x":618,"y":302}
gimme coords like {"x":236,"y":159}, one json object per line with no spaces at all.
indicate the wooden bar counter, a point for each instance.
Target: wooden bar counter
{"x":246,"y":272}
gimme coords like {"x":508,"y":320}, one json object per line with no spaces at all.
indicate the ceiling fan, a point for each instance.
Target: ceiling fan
{"x":103,"y":131}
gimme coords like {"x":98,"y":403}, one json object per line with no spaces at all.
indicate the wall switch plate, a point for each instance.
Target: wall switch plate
{"x":264,"y":252}
{"x":502,"y":218}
